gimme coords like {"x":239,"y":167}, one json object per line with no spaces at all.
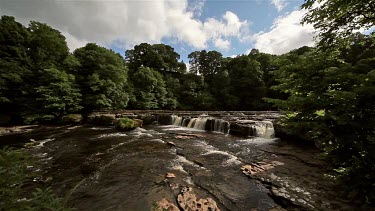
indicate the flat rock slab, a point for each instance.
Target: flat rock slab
{"x":164,"y":204}
{"x":189,"y":202}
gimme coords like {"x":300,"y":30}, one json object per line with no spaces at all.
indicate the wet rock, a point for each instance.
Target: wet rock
{"x":138,"y":122}
{"x":126,"y":115}
{"x":255,"y":168}
{"x":71,"y":119}
{"x":147,"y":119}
{"x":189,"y":136}
{"x":277,"y":209}
{"x":170,"y":175}
{"x":170,"y":143}
{"x":126,"y":124}
{"x":164,"y":119}
{"x":165,"y":205}
{"x":242,"y":129}
{"x":188,"y":201}
{"x":101,"y":119}
{"x":89,"y":166}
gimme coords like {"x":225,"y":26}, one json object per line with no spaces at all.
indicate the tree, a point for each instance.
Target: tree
{"x":58,"y":94}
{"x":205,"y":63}
{"x":332,"y":102}
{"x":47,"y":46}
{"x":149,"y":89}
{"x":14,"y":65}
{"x":102,"y":78}
{"x":246,"y":82}
{"x":160,"y":57}
{"x":338,"y":19}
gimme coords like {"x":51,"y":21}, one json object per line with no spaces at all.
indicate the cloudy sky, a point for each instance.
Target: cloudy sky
{"x":229,"y":26}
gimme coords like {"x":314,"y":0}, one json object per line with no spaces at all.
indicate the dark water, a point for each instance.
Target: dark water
{"x":98,"y":168}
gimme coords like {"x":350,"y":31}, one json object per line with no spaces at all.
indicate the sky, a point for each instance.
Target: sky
{"x":231,"y":27}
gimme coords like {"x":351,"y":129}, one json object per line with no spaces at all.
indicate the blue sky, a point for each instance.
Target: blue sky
{"x":230,"y":27}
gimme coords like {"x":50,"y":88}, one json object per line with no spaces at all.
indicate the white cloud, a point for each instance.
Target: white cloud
{"x":279,"y":4}
{"x":222,"y":44}
{"x":285,"y":34}
{"x":124,"y":23}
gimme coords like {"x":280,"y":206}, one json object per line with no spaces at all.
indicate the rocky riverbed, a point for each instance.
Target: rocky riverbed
{"x":180,"y":168}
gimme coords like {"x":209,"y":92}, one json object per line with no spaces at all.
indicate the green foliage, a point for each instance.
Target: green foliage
{"x":47,"y":46}
{"x":149,"y":89}
{"x":159,"y":57}
{"x":58,"y":94}
{"x":13,"y":176}
{"x":14,"y":65}
{"x":102,"y":78}
{"x":332,"y":102}
{"x":205,"y":63}
{"x":246,"y":82}
{"x":336,"y":20}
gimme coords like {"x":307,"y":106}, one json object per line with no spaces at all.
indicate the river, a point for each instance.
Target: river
{"x":99,"y":168}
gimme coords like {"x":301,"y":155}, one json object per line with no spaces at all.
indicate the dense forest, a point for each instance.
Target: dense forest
{"x":327,"y":92}
{"x":42,"y":81}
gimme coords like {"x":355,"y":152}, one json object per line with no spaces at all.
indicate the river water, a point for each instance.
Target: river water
{"x":99,"y":168}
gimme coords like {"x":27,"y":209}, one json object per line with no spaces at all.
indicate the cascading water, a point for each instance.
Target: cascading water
{"x":197,"y":123}
{"x":264,"y":129}
{"x":177,"y":120}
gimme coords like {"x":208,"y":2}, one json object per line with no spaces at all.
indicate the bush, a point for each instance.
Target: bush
{"x":13,"y":177}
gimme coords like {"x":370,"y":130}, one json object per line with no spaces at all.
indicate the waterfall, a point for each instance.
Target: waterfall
{"x":197,"y":123}
{"x":217,"y":125}
{"x":200,"y":123}
{"x":177,"y":120}
{"x":221,"y":126}
{"x":263,"y":129}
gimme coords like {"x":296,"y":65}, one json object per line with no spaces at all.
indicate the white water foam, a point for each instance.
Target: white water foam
{"x":178,"y":128}
{"x":42,"y":142}
{"x":101,"y":128}
{"x":157,"y":140}
{"x":112,"y":135}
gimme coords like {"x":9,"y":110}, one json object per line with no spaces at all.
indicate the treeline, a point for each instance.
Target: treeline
{"x":41,"y":81}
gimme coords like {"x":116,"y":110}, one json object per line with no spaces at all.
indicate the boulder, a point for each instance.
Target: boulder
{"x":101,"y":119}
{"x":138,"y":122}
{"x":242,"y":129}
{"x":71,"y":119}
{"x":165,"y":119}
{"x":147,"y":119}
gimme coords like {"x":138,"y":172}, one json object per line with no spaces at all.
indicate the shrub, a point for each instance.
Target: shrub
{"x":13,"y":177}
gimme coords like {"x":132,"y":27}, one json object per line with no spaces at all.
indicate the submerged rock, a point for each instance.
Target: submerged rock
{"x":188,"y":201}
